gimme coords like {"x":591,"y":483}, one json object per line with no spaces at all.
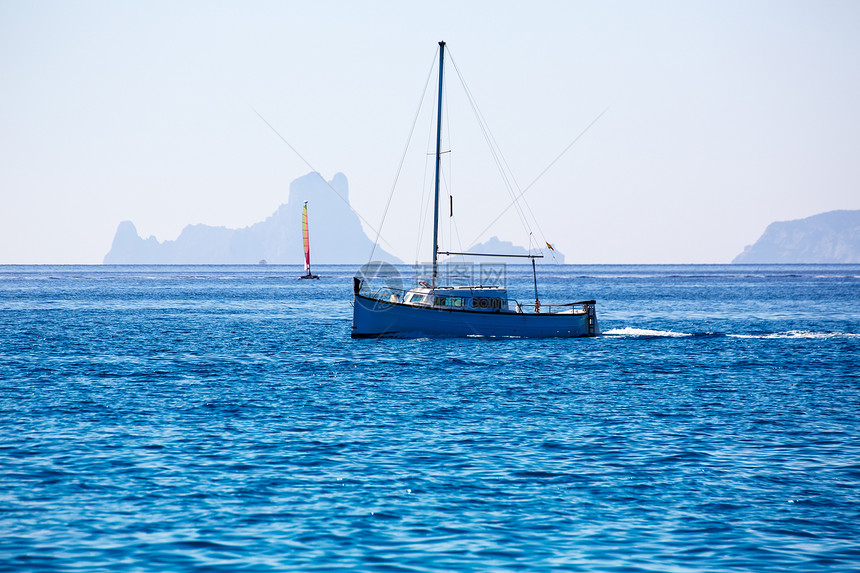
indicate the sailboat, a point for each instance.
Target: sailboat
{"x":433,"y":309}
{"x":307,"y":242}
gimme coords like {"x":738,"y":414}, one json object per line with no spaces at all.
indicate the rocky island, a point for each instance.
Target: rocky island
{"x":336,"y":234}
{"x":827,"y":238}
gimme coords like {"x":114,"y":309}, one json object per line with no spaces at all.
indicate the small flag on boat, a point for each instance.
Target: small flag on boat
{"x":550,"y":247}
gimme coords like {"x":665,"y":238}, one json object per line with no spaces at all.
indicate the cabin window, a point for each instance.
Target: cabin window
{"x":416,"y":298}
{"x":450,"y":301}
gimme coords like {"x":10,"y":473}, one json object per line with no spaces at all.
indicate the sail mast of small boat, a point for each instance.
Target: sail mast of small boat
{"x":438,"y":156}
{"x":307,"y":240}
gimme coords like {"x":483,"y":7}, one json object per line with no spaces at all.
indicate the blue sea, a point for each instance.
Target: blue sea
{"x":220,"y":418}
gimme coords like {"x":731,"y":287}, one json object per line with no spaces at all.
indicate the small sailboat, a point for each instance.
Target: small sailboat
{"x":462,"y":310}
{"x":307,"y":242}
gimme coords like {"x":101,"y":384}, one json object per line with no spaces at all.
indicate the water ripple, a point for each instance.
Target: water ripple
{"x":193,"y":420}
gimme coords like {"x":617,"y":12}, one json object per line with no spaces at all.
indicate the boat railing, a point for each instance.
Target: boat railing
{"x":383,"y":293}
{"x":580,"y":307}
{"x":398,"y":295}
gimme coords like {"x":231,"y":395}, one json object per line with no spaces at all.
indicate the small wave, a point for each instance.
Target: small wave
{"x":631,"y":331}
{"x":806,"y":334}
{"x":833,"y":277}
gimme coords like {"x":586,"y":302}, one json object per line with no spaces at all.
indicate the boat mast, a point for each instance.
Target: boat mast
{"x":306,"y":239}
{"x":438,"y":156}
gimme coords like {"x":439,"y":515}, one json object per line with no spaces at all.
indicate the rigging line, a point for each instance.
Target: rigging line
{"x":499,"y":159}
{"x":446,"y":166}
{"x":341,"y":197}
{"x":423,"y":206}
{"x":446,"y":182}
{"x":453,"y":224}
{"x":537,"y":224}
{"x":448,"y":174}
{"x":577,"y":138}
{"x":501,"y":163}
{"x":403,"y":157}
{"x":457,"y":232}
{"x":426,"y":199}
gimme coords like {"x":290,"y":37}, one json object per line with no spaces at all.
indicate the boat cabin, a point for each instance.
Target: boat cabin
{"x":486,"y":299}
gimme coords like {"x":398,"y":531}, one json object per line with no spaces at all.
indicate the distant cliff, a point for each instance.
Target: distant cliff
{"x":335,"y":230}
{"x":832,"y":237}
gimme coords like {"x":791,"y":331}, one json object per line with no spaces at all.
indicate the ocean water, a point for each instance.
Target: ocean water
{"x":220,"y":418}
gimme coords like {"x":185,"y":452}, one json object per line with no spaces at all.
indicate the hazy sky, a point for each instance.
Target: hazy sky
{"x":722,"y":117}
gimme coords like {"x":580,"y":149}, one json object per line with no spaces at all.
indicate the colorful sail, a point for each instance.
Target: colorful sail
{"x":307,"y":239}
